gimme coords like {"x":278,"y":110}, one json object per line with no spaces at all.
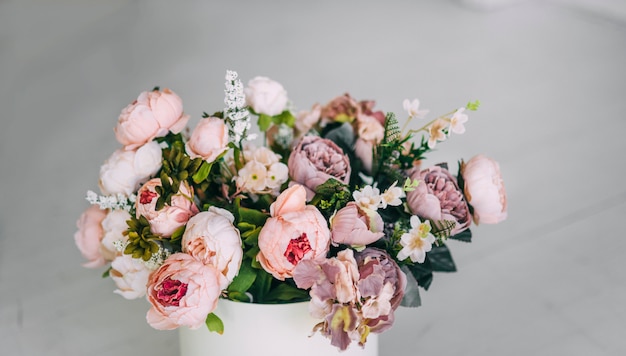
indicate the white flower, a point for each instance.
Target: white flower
{"x":236,"y":113}
{"x":252,"y":177}
{"x":124,"y":170}
{"x":277,"y":175}
{"x":417,"y":241}
{"x":392,"y":196}
{"x":457,"y":120}
{"x":266,"y":96}
{"x":113,"y":225}
{"x":412,"y":107}
{"x":148,"y":159}
{"x":368,"y":197}
{"x":130,"y":275}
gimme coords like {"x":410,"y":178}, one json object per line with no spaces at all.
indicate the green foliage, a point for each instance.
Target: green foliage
{"x":441,"y":229}
{"x":330,"y":196}
{"x":441,"y":259}
{"x":214,"y":324}
{"x":465,"y":236}
{"x":177,"y":167}
{"x":142,"y":243}
{"x":473,"y":105}
{"x":409,"y":185}
{"x":411,"y":293}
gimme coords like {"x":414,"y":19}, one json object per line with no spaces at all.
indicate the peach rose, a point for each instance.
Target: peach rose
{"x":182,"y":292}
{"x":211,"y":238}
{"x":295,"y":232}
{"x":484,"y":189}
{"x":438,"y":197}
{"x":172,"y":216}
{"x":153,"y":114}
{"x":208,"y":140}
{"x":353,"y":225}
{"x":266,"y":96}
{"x":315,"y":160}
{"x":130,"y":276}
{"x":125,"y":170}
{"x":89,"y":235}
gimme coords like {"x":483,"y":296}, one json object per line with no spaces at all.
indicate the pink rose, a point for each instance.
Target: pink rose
{"x":438,"y":197}
{"x":130,"y":276}
{"x":353,"y":225}
{"x":208,"y":140}
{"x":266,"y":96}
{"x":125,"y":170}
{"x":153,"y":114}
{"x":484,"y":189}
{"x":89,"y":235}
{"x":210,"y":237}
{"x":295,"y":232}
{"x":183,"y":291}
{"x":367,"y":110}
{"x":172,"y":216}
{"x":341,"y":109}
{"x":315,"y":160}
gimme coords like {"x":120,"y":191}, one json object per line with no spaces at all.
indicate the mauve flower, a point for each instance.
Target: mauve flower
{"x":89,"y":235}
{"x":125,"y":170}
{"x":295,"y":232}
{"x":266,"y":96}
{"x":438,"y":197}
{"x":315,"y":160}
{"x":153,"y":114}
{"x":343,"y":108}
{"x":182,"y":292}
{"x":208,"y":140}
{"x":172,"y":216}
{"x":130,"y":276}
{"x":369,"y":133}
{"x":211,"y":238}
{"x":305,"y":120}
{"x":484,"y":189}
{"x":357,"y":226}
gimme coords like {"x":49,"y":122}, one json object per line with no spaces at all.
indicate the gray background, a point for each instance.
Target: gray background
{"x":549,"y":281}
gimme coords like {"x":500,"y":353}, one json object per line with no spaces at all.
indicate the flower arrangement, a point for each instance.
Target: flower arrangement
{"x":332,"y":207}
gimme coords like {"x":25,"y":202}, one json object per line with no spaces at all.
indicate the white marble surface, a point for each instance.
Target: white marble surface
{"x":551,"y":280}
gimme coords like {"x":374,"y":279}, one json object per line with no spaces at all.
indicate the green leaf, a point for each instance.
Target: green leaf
{"x":214,"y":323}
{"x":330,"y":187}
{"x":264,"y":122}
{"x":411,"y":293}
{"x":422,"y":272}
{"x":178,"y":233}
{"x":244,"y":279}
{"x":473,"y":105}
{"x":261,"y":285}
{"x":465,"y":236}
{"x":203,"y":172}
{"x":107,"y":272}
{"x":441,"y":259}
{"x":343,"y":136}
{"x":250,"y":216}
{"x":285,"y":117}
{"x":285,"y":292}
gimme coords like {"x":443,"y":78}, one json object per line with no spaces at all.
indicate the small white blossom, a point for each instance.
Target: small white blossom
{"x":368,"y":197}
{"x":277,"y":174}
{"x":457,"y":120}
{"x":236,"y":113}
{"x":412,"y":107}
{"x":113,"y":202}
{"x":252,"y":177}
{"x":392,"y":196}
{"x":417,"y":241}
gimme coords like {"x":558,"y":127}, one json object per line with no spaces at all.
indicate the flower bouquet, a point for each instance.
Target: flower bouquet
{"x":330,"y":205}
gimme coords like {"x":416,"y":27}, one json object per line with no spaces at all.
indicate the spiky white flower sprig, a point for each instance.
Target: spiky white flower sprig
{"x":236,"y":112}
{"x":113,"y":202}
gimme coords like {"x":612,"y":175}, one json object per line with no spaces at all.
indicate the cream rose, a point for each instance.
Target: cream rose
{"x":182,"y":292}
{"x":266,"y":96}
{"x":211,"y":238}
{"x":113,"y":226}
{"x":130,"y":276}
{"x":484,"y":189}
{"x":172,"y":216}
{"x":124,"y":170}
{"x":208,"y":140}
{"x":295,"y":232}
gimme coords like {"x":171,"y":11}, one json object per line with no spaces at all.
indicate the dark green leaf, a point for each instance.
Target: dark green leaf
{"x":441,"y":259}
{"x":422,"y":272}
{"x":343,"y":136}
{"x":202,"y":173}
{"x":411,"y":293}
{"x":465,"y":236}
{"x":244,"y":279}
{"x":214,"y":323}
{"x":107,"y":272}
{"x":285,"y":292}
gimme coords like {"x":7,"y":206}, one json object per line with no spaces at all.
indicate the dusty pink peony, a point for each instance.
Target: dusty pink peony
{"x":294,"y":232}
{"x":125,"y":170}
{"x":343,"y":108}
{"x":130,"y":276}
{"x":208,"y":140}
{"x":315,"y":160}
{"x":357,"y":226}
{"x":211,"y":238}
{"x":172,"y":216}
{"x":182,"y":292}
{"x":438,"y":197}
{"x":484,"y":189}
{"x":89,"y":235}
{"x":153,"y":114}
{"x":266,"y":96}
